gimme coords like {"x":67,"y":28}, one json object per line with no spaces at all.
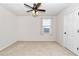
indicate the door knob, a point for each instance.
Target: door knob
{"x":77,"y":31}
{"x":64,"y":32}
{"x":78,"y":13}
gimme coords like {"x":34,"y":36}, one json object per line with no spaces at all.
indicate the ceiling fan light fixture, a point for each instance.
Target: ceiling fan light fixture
{"x":35,"y":13}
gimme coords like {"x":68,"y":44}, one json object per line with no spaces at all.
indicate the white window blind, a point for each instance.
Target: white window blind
{"x":46,"y":25}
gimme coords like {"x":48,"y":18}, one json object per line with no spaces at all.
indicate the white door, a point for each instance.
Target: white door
{"x":68,"y":28}
{"x":76,"y":32}
{"x":71,"y":27}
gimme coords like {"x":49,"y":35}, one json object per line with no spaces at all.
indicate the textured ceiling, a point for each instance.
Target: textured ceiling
{"x":20,"y":10}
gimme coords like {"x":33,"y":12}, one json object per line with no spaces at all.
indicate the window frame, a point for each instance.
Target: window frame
{"x":50,"y":30}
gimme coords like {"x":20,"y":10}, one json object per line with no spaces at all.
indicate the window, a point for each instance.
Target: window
{"x":46,"y":25}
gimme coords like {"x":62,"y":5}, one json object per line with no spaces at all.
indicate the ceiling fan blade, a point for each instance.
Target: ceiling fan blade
{"x":38,"y":5}
{"x":27,"y":5}
{"x":29,"y":10}
{"x":41,"y":10}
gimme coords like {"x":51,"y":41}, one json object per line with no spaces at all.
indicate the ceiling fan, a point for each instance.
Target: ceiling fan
{"x":35,"y":8}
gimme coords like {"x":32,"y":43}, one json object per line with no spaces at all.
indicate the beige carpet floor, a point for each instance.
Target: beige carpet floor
{"x":35,"y":49}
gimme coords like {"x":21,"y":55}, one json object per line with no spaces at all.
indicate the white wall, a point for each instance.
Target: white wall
{"x":59,"y":28}
{"x":7,"y":28}
{"x":29,"y":29}
{"x":22,"y":28}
